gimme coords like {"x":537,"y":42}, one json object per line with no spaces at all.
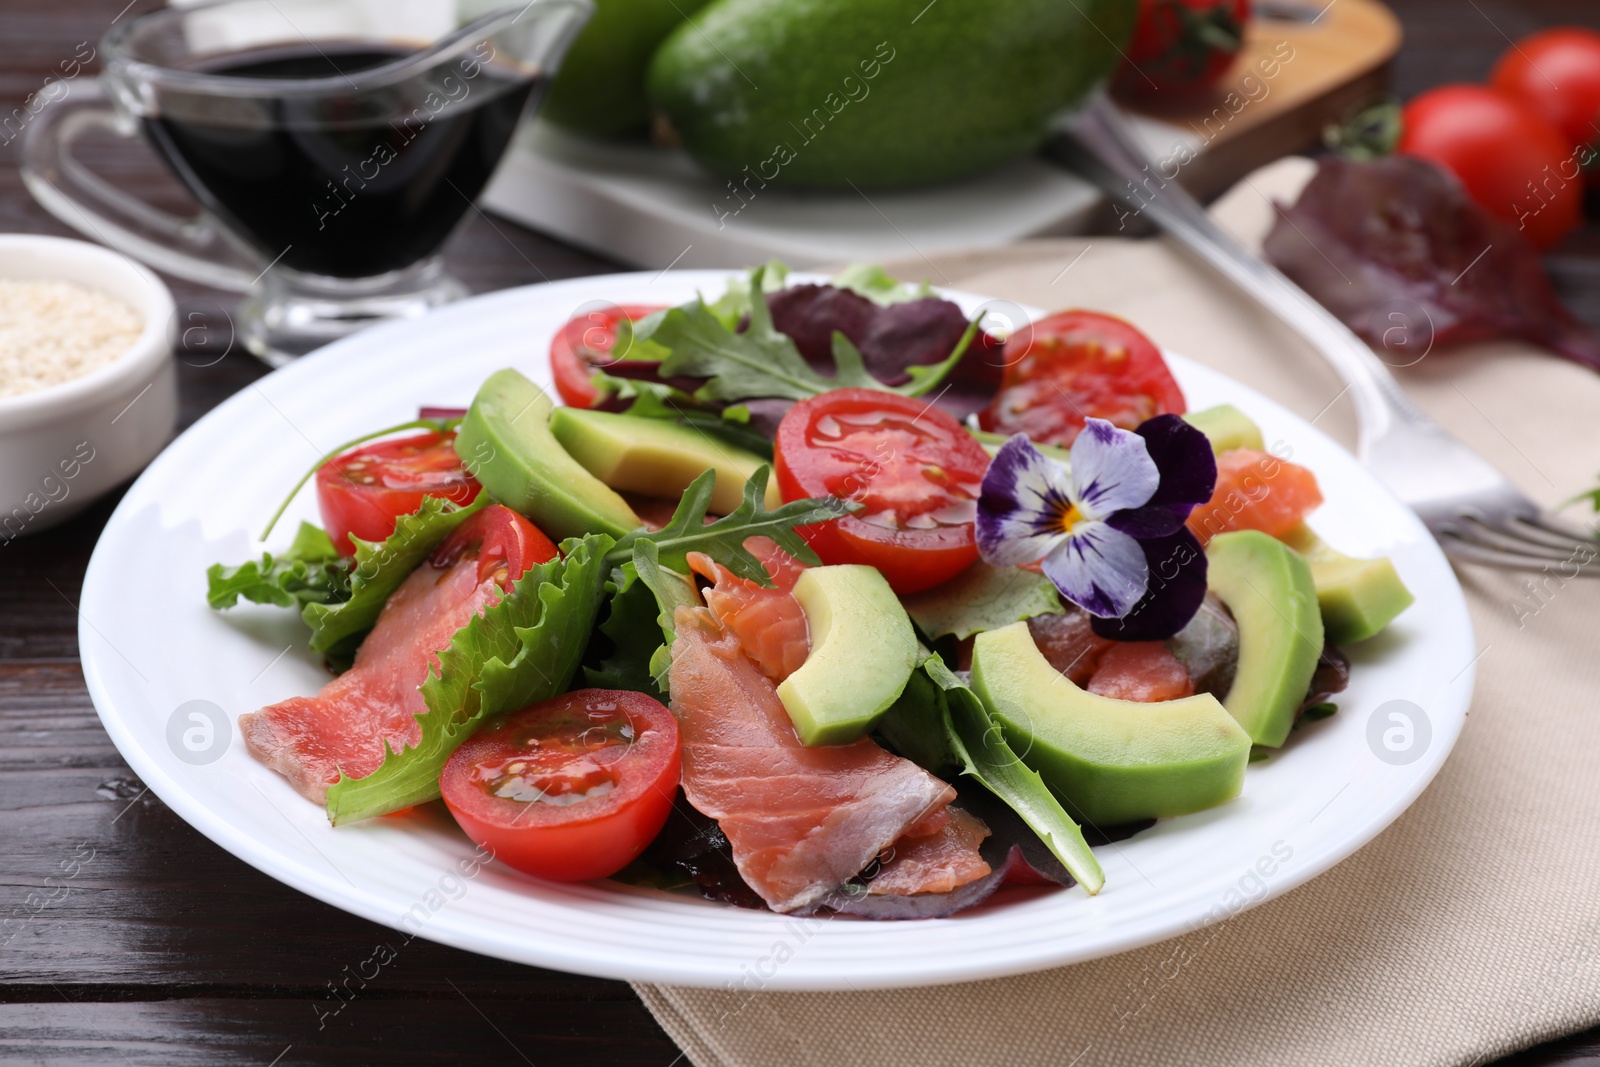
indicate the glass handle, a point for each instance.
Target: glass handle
{"x":192,"y":248}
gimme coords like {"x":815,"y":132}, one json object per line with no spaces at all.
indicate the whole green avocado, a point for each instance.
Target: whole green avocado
{"x":600,"y":87}
{"x":878,"y":92}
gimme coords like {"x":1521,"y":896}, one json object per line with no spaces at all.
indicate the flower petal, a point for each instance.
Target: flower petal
{"x":1177,"y":586}
{"x":1111,"y":470}
{"x":1188,"y":476}
{"x":1021,"y":506}
{"x":1101,"y":570}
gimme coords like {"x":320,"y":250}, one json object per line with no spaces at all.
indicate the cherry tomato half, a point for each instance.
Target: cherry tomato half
{"x":583,"y":346}
{"x":914,"y":470}
{"x":1557,"y":73}
{"x":1182,"y":45}
{"x":571,"y":788}
{"x":503,"y":542}
{"x":1076,"y":365}
{"x":363,"y":491}
{"x":1507,"y":156}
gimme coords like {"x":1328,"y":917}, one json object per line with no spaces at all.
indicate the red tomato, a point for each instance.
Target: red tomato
{"x":1077,"y":365}
{"x":1182,"y":45}
{"x":1557,"y":73}
{"x":363,"y":491}
{"x":570,"y":789}
{"x":583,"y":346}
{"x":916,"y":472}
{"x":1508,"y":157}
{"x":504,"y":543}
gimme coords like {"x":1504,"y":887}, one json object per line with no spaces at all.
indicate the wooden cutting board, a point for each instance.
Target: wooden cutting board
{"x":1305,"y":63}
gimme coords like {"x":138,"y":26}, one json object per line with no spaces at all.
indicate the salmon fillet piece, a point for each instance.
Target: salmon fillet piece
{"x":939,"y":862}
{"x":768,"y":621}
{"x":801,"y":820}
{"x":346,"y":726}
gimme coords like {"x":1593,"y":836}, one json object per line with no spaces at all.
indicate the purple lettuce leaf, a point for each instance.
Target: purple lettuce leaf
{"x":1397,"y":250}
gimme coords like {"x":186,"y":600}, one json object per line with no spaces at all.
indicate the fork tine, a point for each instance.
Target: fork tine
{"x":1549,"y":526}
{"x":1460,"y":547}
{"x":1479,"y":531}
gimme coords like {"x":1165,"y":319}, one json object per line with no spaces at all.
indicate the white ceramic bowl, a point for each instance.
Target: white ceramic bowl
{"x":63,"y":447}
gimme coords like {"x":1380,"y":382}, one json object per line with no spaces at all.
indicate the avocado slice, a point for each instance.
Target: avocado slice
{"x":505,"y":441}
{"x":1227,"y":427}
{"x":1358,"y":597}
{"x":863,"y":651}
{"x":1268,"y":588}
{"x":656,"y":457}
{"x":1111,"y":761}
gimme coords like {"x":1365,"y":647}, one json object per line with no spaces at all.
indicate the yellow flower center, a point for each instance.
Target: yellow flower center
{"x":1070,"y":518}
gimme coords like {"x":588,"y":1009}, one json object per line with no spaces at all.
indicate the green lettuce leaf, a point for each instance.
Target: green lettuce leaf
{"x":310,"y":572}
{"x":876,"y":284}
{"x":732,"y":306}
{"x":377,"y":570}
{"x":723,"y":540}
{"x":981,"y":598}
{"x":939,"y":722}
{"x":522,"y":650}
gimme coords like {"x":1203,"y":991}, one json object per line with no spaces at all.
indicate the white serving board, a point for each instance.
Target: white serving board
{"x":653,"y":208}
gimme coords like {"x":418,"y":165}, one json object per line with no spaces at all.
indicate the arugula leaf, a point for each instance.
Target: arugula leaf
{"x":723,"y":540}
{"x":644,"y":597}
{"x":310,"y":572}
{"x":955,"y":729}
{"x":377,"y":570}
{"x":658,"y":400}
{"x":876,"y":284}
{"x":672,"y":591}
{"x":762,"y":362}
{"x":981,"y":598}
{"x":522,"y":650}
{"x":733,"y":305}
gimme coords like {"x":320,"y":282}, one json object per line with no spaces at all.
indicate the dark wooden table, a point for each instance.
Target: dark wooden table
{"x":163,"y":949}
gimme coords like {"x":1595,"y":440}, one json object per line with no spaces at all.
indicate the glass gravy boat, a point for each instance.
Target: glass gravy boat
{"x":333,"y":146}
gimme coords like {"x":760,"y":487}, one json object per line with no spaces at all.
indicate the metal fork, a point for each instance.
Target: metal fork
{"x":1473,"y":511}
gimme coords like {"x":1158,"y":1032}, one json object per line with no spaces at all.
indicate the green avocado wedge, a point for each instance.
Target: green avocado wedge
{"x":1358,"y":597}
{"x":1267,"y":587}
{"x":656,"y":457}
{"x":877,"y":93}
{"x":600,"y":87}
{"x":506,"y":443}
{"x":863,"y":651}
{"x":1227,"y":428}
{"x":1110,"y":761}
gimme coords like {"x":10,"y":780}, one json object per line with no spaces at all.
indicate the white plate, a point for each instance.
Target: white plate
{"x":150,"y":644}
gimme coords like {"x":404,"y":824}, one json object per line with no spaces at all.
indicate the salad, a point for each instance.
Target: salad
{"x":819,"y":598}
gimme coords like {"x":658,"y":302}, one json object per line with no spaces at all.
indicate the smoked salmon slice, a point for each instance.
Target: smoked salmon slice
{"x":345,"y":727}
{"x":768,"y":622}
{"x":801,"y":821}
{"x":938,"y":862}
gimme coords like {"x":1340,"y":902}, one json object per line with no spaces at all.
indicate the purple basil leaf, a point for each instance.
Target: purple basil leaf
{"x":1397,"y":250}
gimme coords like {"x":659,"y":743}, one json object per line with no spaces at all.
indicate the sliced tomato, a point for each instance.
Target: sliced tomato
{"x":364,"y":491}
{"x":571,"y":788}
{"x":1076,"y":365}
{"x":504,"y":543}
{"x":916,"y":472}
{"x":585,"y":345}
{"x":1256,"y":491}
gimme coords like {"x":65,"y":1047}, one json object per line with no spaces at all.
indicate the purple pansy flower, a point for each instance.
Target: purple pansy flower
{"x":1110,"y":531}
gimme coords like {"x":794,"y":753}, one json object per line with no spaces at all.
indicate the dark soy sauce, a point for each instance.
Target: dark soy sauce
{"x":359,"y":181}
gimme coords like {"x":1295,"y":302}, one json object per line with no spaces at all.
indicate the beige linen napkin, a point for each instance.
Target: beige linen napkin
{"x":1467,"y":930}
